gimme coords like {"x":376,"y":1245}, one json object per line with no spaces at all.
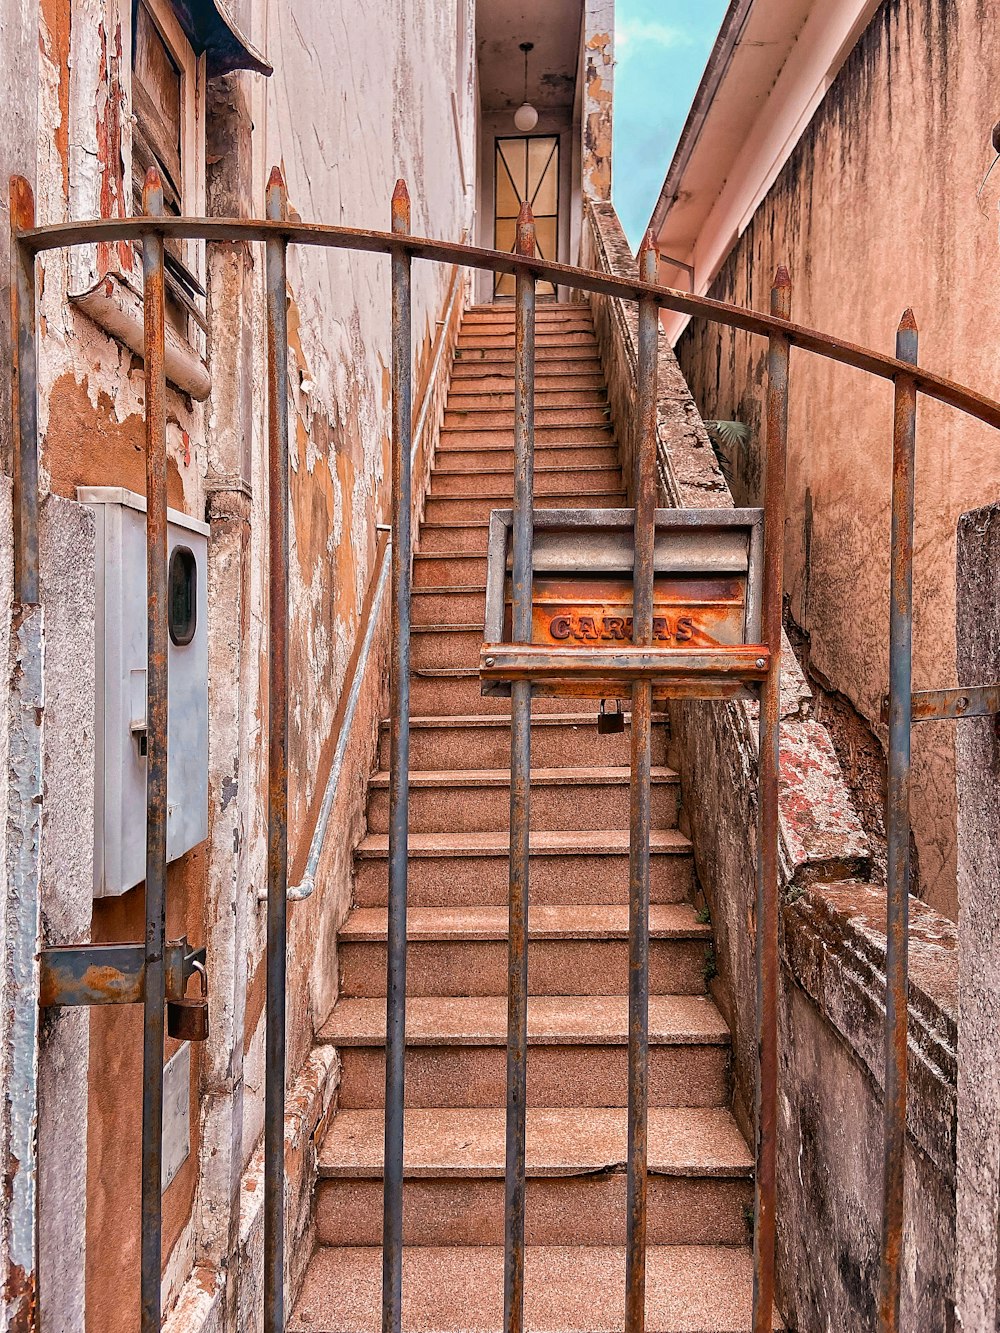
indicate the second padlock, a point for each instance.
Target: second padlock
{"x":187,"y":1019}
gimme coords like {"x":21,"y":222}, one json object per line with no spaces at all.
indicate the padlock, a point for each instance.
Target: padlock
{"x":609,"y":723}
{"x":187,"y":1020}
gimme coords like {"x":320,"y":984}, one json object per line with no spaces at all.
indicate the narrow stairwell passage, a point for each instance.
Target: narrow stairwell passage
{"x":700,"y":1191}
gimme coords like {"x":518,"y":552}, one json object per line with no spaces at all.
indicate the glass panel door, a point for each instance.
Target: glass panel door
{"x":526,"y":167}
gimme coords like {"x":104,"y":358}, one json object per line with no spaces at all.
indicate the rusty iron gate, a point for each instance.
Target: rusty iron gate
{"x":154,"y":972}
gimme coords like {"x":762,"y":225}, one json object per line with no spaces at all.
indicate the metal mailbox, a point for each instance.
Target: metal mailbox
{"x":706,"y":592}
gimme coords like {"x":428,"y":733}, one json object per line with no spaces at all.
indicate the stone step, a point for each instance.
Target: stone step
{"x":474,"y":800}
{"x":573,"y":867}
{"x":479,"y":437}
{"x":456,"y":1051}
{"x":448,"y":606}
{"x":457,"y":415}
{"x":566,"y":739}
{"x":543,"y":307}
{"x":476,"y":377}
{"x":699,"y":1177}
{"x":440,"y":537}
{"x":558,"y":332}
{"x":482,"y":353}
{"x":553,"y":310}
{"x":460,"y":509}
{"x":474,"y":328}
{"x":504,"y":320}
{"x":463,"y":951}
{"x":446,"y":645}
{"x":448,"y":569}
{"x":449,"y":459}
{"x":447,"y":691}
{"x":567,"y":1289}
{"x":467,"y":397}
{"x":564,"y":335}
{"x":549,"y":480}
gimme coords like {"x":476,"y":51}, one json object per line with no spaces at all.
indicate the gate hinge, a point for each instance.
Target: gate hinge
{"x":73,"y":974}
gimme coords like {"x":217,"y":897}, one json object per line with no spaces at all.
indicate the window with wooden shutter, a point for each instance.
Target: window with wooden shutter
{"x":166,"y":133}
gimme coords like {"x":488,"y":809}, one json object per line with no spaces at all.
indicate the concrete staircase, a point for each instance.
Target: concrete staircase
{"x":699,"y":1268}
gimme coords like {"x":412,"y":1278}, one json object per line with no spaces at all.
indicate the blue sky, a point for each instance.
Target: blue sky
{"x":661,"y":47}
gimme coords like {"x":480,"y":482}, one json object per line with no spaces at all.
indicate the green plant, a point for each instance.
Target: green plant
{"x":704,"y":915}
{"x":728,"y":438}
{"x":710,"y":971}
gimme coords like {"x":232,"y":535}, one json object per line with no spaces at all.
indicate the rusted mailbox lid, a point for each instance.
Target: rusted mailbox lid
{"x":706,"y":584}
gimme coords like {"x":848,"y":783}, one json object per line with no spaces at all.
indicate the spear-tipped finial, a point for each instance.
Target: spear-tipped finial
{"x":906,"y":338}
{"x":276,"y":198}
{"x":525,"y":243}
{"x":22,"y":204}
{"x":649,"y":258}
{"x":152,"y":193}
{"x":401,"y":207}
{"x":781,"y":294}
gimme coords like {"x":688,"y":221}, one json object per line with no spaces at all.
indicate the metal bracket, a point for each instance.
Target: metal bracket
{"x":950,"y":705}
{"x":74,"y":974}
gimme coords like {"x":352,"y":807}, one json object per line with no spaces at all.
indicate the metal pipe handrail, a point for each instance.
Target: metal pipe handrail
{"x":41,"y":239}
{"x":298,"y":893}
{"x":304,"y":889}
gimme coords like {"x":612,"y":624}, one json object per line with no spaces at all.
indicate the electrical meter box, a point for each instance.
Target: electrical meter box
{"x":120,"y":671}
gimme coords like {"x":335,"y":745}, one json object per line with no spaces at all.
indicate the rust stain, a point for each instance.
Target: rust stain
{"x":101,"y":980}
{"x":21,"y":1298}
{"x":58,"y":19}
{"x":254,"y":1005}
{"x":692,"y":612}
{"x":110,"y":114}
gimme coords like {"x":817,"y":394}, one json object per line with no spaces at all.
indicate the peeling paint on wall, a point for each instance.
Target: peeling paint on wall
{"x":598,"y":88}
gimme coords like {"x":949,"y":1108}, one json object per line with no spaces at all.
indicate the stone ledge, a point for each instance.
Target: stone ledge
{"x":820,"y":829}
{"x":201,"y":1304}
{"x":833,"y":947}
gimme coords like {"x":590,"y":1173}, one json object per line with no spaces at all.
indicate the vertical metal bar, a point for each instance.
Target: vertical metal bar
{"x":276,"y":282}
{"x":19,"y":928}
{"x":644,"y":492}
{"x":520,"y":784}
{"x":767,"y":814}
{"x":399,"y":774}
{"x":898,"y":824}
{"x":156,"y":754}
{"x":25,"y":414}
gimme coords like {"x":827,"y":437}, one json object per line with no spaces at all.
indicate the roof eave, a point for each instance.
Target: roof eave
{"x":715,"y":71}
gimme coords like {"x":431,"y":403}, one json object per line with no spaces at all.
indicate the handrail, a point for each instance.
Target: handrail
{"x":299,"y":892}
{"x":40,"y":239}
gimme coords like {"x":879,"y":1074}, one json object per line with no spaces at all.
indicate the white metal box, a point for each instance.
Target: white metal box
{"x":120,"y":671}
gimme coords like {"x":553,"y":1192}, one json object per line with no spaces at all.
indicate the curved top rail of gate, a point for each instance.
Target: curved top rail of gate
{"x":29,"y":242}
{"x":40,"y":239}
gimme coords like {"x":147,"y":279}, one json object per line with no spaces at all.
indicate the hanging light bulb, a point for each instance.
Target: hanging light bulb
{"x":526,"y":117}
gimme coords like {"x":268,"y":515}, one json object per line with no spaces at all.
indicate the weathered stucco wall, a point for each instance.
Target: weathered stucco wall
{"x":875,"y":210}
{"x":978,"y":754}
{"x":832,"y":944}
{"x":351,"y":106}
